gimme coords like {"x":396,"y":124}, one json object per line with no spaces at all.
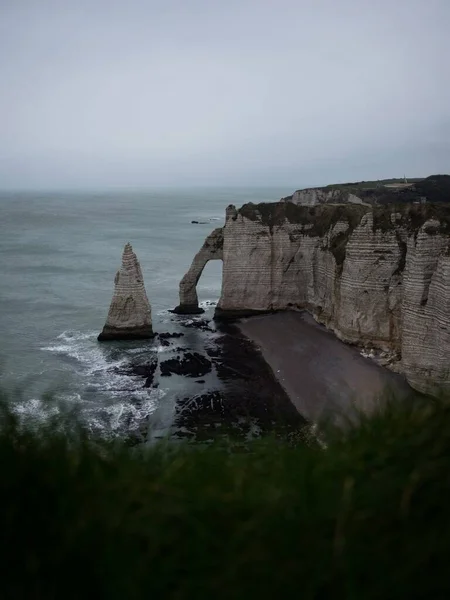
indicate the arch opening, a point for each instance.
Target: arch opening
{"x":209,"y":285}
{"x":212,"y":250}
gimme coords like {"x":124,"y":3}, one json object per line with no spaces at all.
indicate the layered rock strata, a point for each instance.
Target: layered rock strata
{"x":129,"y":315}
{"x":376,"y":276}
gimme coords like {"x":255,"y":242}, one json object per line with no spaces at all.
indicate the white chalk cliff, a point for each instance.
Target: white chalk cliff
{"x":314,"y":196}
{"x":129,"y":315}
{"x":377,"y":276}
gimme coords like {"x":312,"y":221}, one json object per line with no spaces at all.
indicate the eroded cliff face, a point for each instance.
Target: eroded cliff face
{"x":426,"y":310}
{"x":376,"y":276}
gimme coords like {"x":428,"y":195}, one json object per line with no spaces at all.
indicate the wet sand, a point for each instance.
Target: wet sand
{"x":323,"y":377}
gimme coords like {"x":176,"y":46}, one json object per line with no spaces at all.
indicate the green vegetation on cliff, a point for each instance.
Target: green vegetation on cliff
{"x":367,"y":185}
{"x":435,"y":189}
{"x":317,"y":220}
{"x":367,"y":517}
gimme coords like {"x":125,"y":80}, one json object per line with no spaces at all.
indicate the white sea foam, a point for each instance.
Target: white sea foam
{"x":149,"y":347}
{"x":35,"y":407}
{"x":83,"y":348}
{"x":160,"y":349}
{"x":208,"y":303}
{"x":76,"y":335}
{"x":125,"y":402}
{"x":35,"y":411}
{"x":120,"y":416}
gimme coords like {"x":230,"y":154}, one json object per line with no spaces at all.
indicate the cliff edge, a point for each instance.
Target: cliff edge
{"x":434,"y":189}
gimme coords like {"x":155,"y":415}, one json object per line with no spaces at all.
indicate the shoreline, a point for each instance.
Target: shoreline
{"x":250,"y":400}
{"x":272,"y":374}
{"x":323,"y":377}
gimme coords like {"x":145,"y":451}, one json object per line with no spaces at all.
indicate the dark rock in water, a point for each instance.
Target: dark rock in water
{"x":187,"y":309}
{"x":200,"y":222}
{"x":145,"y":370}
{"x":214,"y":352}
{"x":200,"y":381}
{"x":201,"y":324}
{"x":167,"y":335}
{"x":191,"y":365}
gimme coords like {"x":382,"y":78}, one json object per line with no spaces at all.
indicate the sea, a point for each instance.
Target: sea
{"x":59,"y":255}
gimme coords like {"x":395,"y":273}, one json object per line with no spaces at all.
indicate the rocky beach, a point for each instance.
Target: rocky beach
{"x":268,"y":374}
{"x":223,"y":386}
{"x":324,"y":378}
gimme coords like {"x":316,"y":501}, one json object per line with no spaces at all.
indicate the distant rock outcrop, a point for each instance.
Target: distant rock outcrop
{"x":129,"y":315}
{"x":314,"y":196}
{"x":434,"y":189}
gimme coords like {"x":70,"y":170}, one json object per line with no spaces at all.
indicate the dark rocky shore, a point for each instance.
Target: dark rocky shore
{"x":226,"y":388}
{"x":249,"y":402}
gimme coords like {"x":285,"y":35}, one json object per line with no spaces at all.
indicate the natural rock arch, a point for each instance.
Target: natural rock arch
{"x":212,"y":249}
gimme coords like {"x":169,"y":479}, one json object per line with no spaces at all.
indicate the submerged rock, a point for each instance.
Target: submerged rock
{"x":201,"y":324}
{"x":145,"y":370}
{"x":169,"y":335}
{"x":191,"y":365}
{"x":165,"y":337}
{"x":129,"y":316}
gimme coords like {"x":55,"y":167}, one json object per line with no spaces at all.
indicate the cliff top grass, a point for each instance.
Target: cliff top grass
{"x":435,"y":189}
{"x":320,"y":218}
{"x":365,"y":517}
{"x":371,"y":184}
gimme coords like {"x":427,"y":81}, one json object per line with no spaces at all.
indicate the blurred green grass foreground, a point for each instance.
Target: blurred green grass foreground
{"x":365,"y":517}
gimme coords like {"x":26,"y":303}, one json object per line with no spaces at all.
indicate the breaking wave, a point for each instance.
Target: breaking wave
{"x":109,"y":399}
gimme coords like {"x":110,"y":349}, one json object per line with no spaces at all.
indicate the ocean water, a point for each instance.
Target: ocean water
{"x":59,"y":254}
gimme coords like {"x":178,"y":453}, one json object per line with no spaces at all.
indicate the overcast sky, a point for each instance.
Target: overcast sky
{"x":105,"y":93}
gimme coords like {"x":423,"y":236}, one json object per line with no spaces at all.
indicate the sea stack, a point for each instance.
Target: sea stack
{"x":129,"y":316}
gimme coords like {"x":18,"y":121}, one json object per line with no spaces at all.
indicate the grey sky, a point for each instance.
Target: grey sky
{"x":203,"y":92}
